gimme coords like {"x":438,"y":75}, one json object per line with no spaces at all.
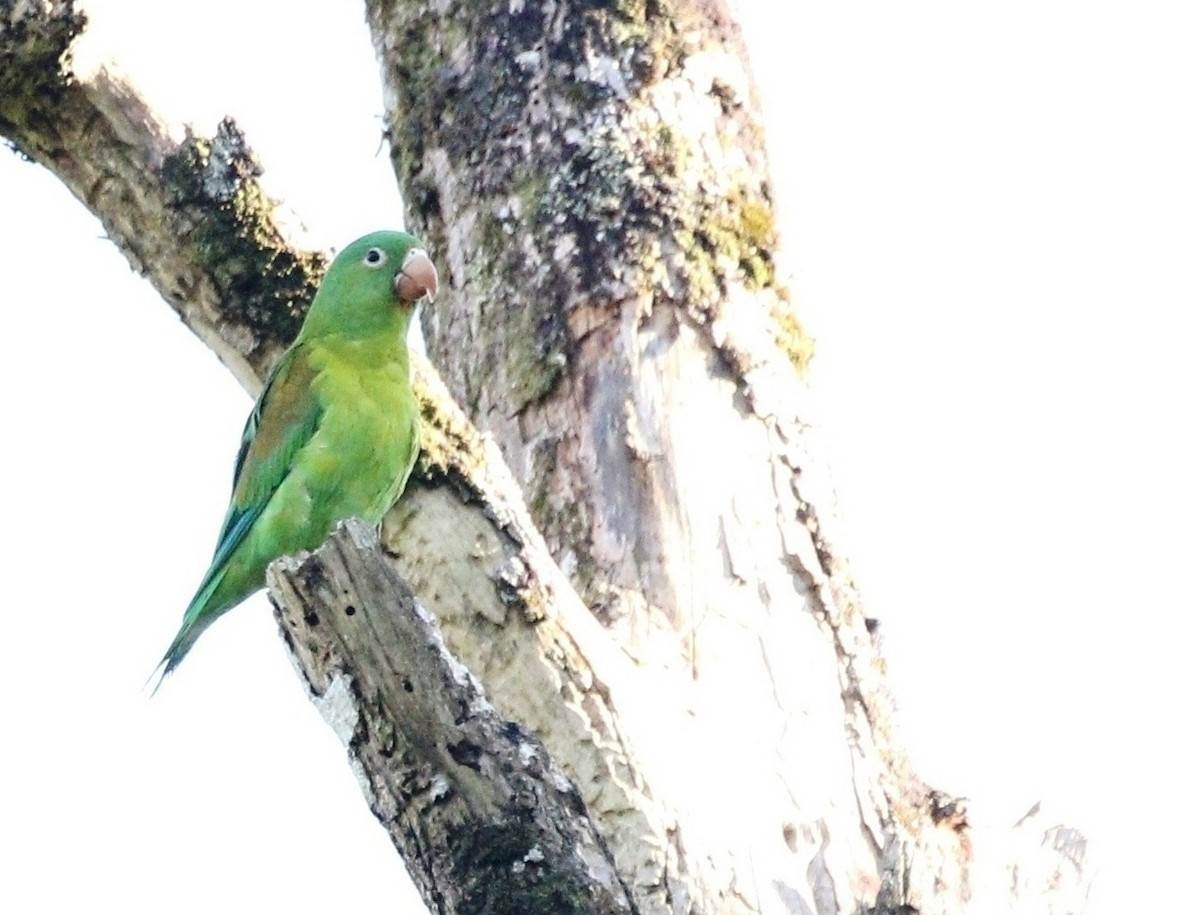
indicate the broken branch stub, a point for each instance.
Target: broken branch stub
{"x":485,"y":819}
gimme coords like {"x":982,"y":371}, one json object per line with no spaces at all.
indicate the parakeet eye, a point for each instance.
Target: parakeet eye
{"x":375,"y":258}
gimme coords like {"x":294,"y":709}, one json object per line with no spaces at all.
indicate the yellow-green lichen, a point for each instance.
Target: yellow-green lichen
{"x":717,"y":233}
{"x":757,"y":223}
{"x":450,"y":445}
{"x":790,"y":336}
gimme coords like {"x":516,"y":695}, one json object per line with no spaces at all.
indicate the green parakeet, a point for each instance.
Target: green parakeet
{"x":334,"y":434}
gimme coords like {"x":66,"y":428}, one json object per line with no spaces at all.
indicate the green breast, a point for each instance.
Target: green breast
{"x":364,"y":449}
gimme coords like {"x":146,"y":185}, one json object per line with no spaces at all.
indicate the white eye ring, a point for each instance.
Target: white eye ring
{"x":375,"y":258}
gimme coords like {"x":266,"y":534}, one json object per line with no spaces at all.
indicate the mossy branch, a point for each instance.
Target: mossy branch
{"x":189,"y":215}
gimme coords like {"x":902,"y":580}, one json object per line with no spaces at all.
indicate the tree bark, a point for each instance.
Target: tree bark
{"x":188,"y":215}
{"x":593,"y":176}
{"x":494,"y":821}
{"x":612,"y":262}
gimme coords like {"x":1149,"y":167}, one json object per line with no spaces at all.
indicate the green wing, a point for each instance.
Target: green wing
{"x":281,"y":423}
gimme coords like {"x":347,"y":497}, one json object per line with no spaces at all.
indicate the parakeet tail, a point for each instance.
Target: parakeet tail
{"x":179,"y":648}
{"x":197,"y":618}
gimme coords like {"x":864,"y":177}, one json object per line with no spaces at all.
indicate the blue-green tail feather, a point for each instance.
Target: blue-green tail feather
{"x":200,"y":614}
{"x":198,"y":617}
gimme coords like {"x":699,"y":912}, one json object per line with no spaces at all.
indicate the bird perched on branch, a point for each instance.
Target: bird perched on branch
{"x":334,"y":433}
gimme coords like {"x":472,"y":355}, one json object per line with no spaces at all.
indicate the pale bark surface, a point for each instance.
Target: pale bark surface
{"x":591,"y":177}
{"x":611,"y":254}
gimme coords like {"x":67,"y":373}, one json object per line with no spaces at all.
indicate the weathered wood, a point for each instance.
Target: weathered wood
{"x":462,"y":538}
{"x":485,"y":819}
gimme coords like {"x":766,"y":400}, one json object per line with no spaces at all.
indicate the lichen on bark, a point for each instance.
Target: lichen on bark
{"x":595,"y":176}
{"x":35,"y":61}
{"x":230,"y":228}
{"x":235,"y":280}
{"x":558,"y":114}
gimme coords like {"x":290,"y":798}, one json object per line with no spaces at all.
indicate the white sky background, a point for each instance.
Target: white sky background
{"x":994,"y":220}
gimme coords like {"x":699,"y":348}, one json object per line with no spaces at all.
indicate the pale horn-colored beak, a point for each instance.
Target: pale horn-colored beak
{"x":418,"y":277}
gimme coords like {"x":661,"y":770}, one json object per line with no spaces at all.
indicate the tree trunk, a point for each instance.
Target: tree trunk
{"x":592,"y":177}
{"x":596,"y":176}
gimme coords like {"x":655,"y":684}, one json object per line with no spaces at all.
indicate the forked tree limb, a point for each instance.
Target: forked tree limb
{"x":189,"y":214}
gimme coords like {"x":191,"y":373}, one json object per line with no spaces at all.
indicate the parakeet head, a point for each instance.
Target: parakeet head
{"x":374,"y":282}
